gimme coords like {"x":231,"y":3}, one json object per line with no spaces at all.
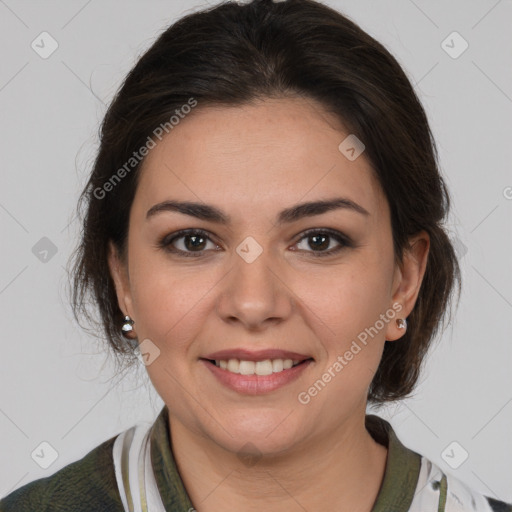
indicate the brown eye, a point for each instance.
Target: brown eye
{"x":323,"y":242}
{"x":188,"y":243}
{"x":320,"y":242}
{"x":194,"y":242}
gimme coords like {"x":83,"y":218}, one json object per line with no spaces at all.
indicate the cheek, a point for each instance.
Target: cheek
{"x":344,"y":323}
{"x":347,"y":305}
{"x":350,"y":298}
{"x":168,"y":302}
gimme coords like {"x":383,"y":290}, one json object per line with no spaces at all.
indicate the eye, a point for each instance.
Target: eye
{"x":321,"y":241}
{"x":187,"y":242}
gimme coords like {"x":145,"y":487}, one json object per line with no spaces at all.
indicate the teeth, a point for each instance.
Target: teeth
{"x":277,"y":365}
{"x":233,"y":366}
{"x":266,"y":367}
{"x":246,"y":367}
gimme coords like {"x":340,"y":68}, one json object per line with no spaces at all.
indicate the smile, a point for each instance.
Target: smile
{"x":256,"y":377}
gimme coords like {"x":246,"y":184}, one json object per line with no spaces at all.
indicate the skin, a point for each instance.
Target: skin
{"x":252,"y":162}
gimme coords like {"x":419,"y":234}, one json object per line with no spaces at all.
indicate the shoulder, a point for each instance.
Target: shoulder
{"x":85,"y":485}
{"x":447,"y":493}
{"x":413,"y":483}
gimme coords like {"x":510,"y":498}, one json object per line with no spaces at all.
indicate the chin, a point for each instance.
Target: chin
{"x":263,"y":432}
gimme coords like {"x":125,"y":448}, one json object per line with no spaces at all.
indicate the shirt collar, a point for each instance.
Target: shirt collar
{"x":396,"y":492}
{"x":402,"y":468}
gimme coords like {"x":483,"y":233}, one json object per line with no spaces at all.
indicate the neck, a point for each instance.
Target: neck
{"x":340,"y":470}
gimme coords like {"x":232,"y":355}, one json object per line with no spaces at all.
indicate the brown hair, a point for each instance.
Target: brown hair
{"x":232,"y":54}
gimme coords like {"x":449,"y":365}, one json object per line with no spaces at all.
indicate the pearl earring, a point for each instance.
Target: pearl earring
{"x":401,"y":323}
{"x":127,"y":328}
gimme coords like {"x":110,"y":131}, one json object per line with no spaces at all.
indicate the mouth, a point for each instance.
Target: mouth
{"x":255,"y":373}
{"x":262,"y":368}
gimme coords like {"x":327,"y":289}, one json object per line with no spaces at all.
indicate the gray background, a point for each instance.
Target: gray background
{"x":57,"y":383}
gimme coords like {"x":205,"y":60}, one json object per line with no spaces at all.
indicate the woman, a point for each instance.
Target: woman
{"x":263,"y":228}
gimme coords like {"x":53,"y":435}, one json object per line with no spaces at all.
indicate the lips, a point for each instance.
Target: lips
{"x":255,"y":372}
{"x":255,"y":355}
{"x":256,"y":384}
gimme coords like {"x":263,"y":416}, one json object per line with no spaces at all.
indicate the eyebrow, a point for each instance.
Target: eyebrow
{"x":292,"y":214}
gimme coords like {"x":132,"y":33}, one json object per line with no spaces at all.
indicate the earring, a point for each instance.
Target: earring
{"x":127,"y":328}
{"x":401,"y":323}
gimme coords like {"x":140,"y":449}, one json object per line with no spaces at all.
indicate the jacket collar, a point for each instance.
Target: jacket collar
{"x":402,"y":468}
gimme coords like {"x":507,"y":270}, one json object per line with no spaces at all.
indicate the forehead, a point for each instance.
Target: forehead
{"x":266,"y":154}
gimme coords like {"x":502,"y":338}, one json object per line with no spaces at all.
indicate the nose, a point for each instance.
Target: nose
{"x":255,"y":294}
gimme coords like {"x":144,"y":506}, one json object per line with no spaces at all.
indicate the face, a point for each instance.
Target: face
{"x":258,"y":278}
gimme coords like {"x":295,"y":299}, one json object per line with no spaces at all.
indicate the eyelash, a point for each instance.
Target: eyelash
{"x":167,"y":241}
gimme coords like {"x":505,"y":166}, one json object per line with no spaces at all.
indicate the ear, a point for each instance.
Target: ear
{"x":407,"y":280}
{"x":119,"y":273}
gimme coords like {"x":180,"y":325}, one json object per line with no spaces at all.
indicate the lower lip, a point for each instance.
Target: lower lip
{"x":256,"y":384}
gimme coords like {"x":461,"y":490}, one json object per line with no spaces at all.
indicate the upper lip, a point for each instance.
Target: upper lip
{"x":255,"y":355}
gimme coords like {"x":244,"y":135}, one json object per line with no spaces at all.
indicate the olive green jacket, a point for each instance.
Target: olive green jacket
{"x":411,"y":482}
